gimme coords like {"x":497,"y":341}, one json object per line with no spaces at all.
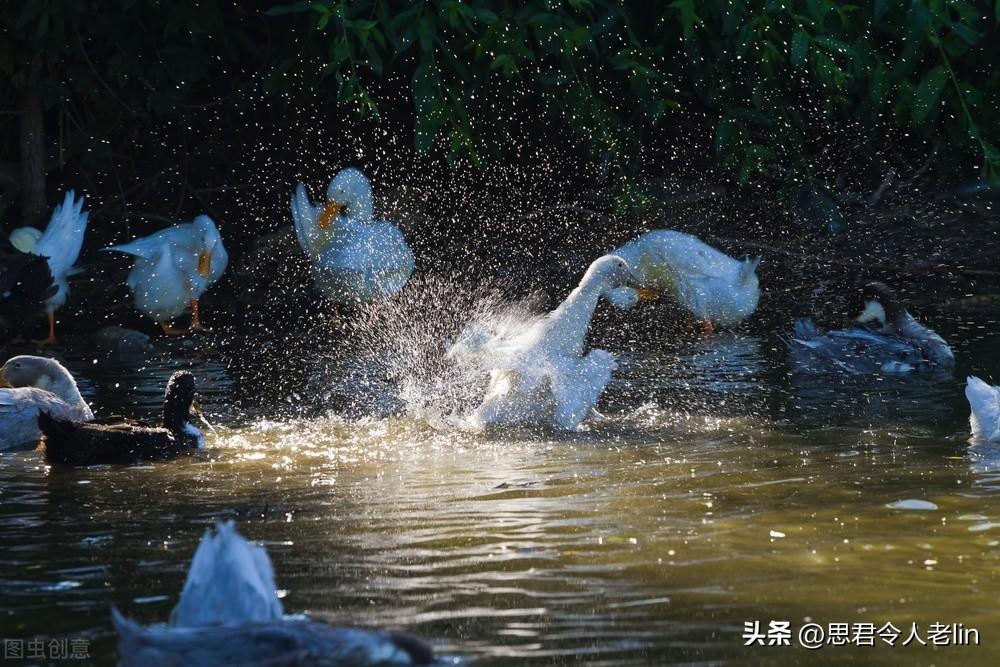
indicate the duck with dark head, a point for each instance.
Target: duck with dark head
{"x":883,"y":339}
{"x":882,"y":310}
{"x":123,"y":441}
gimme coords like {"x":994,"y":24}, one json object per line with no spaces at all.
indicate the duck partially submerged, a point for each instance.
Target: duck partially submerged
{"x":984,"y":403}
{"x":37,"y":386}
{"x":60,"y":244}
{"x":230,"y":582}
{"x":715,"y":288}
{"x":173,"y":269}
{"x":229,"y":614}
{"x":355,"y":259}
{"x":124,"y":441}
{"x":884,"y":338}
{"x":540,"y":374}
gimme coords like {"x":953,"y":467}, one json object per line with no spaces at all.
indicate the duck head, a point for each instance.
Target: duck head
{"x":177,"y":405}
{"x":616,"y":277}
{"x":349,"y":194}
{"x":209,"y":240}
{"x":880,"y":306}
{"x":25,"y":238}
{"x":40,"y":372}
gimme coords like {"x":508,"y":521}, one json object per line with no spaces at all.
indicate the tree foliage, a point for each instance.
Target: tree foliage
{"x":473,"y":78}
{"x":766,"y":72}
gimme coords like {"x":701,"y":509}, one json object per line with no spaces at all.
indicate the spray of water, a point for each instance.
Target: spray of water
{"x":412,"y":346}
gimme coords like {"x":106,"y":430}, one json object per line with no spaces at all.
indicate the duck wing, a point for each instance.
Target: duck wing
{"x":684,"y":253}
{"x":304,"y":215}
{"x":577,"y":391}
{"x":124,"y":442}
{"x":177,"y":237}
{"x":21,"y":407}
{"x":230,"y":582}
{"x":63,"y":237}
{"x":852,"y":350}
{"x":984,"y":402}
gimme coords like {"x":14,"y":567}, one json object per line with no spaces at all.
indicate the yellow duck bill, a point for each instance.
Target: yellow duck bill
{"x":205,"y":263}
{"x":329,"y":213}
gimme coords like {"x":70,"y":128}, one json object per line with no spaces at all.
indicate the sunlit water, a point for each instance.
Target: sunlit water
{"x":719,"y":490}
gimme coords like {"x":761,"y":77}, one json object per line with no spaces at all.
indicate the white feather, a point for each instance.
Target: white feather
{"x":42,"y":384}
{"x":873,"y":312}
{"x":705,"y":281}
{"x":165,"y":276}
{"x":230,"y":582}
{"x":539,"y":374}
{"x":60,"y":244}
{"x":357,"y":259}
{"x":984,"y":402}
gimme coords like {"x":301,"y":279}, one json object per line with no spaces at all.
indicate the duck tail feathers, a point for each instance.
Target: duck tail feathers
{"x":230,"y":582}
{"x":749,"y":268}
{"x":805,"y":329}
{"x":63,"y":237}
{"x":984,"y":405}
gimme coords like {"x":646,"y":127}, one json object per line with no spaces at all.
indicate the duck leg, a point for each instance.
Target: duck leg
{"x":196,"y":323}
{"x":172,"y":330}
{"x":51,"y":338}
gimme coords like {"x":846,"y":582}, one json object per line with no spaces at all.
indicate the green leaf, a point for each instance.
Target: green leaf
{"x":291,"y":8}
{"x":425,"y":34}
{"x":427,"y":103}
{"x":689,"y":18}
{"x":928,"y":93}
{"x":880,"y":84}
{"x":965,"y":33}
{"x":827,"y":71}
{"x":800,"y":49}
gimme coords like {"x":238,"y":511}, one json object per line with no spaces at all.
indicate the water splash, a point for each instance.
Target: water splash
{"x":401,"y":347}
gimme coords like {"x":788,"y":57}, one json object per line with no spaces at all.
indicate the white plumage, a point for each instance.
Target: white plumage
{"x":38,"y":384}
{"x":984,"y":401}
{"x":709,"y":284}
{"x":229,"y":614}
{"x":355,"y":259}
{"x":173,"y":269}
{"x":539,"y":374}
{"x":60,"y":244}
{"x":230,"y":582}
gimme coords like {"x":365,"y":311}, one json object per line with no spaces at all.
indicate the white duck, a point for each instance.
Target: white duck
{"x":355,"y":259}
{"x":229,"y":614}
{"x":230,"y":582}
{"x":540,"y":375}
{"x":984,"y":401}
{"x":712,"y":286}
{"x":173,"y":268}
{"x":60,"y":244}
{"x":36,"y":384}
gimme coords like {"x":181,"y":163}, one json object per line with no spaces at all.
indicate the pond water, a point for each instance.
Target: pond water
{"x":719,"y":490}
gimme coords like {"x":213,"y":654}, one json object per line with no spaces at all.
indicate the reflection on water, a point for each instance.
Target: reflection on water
{"x":718,"y":490}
